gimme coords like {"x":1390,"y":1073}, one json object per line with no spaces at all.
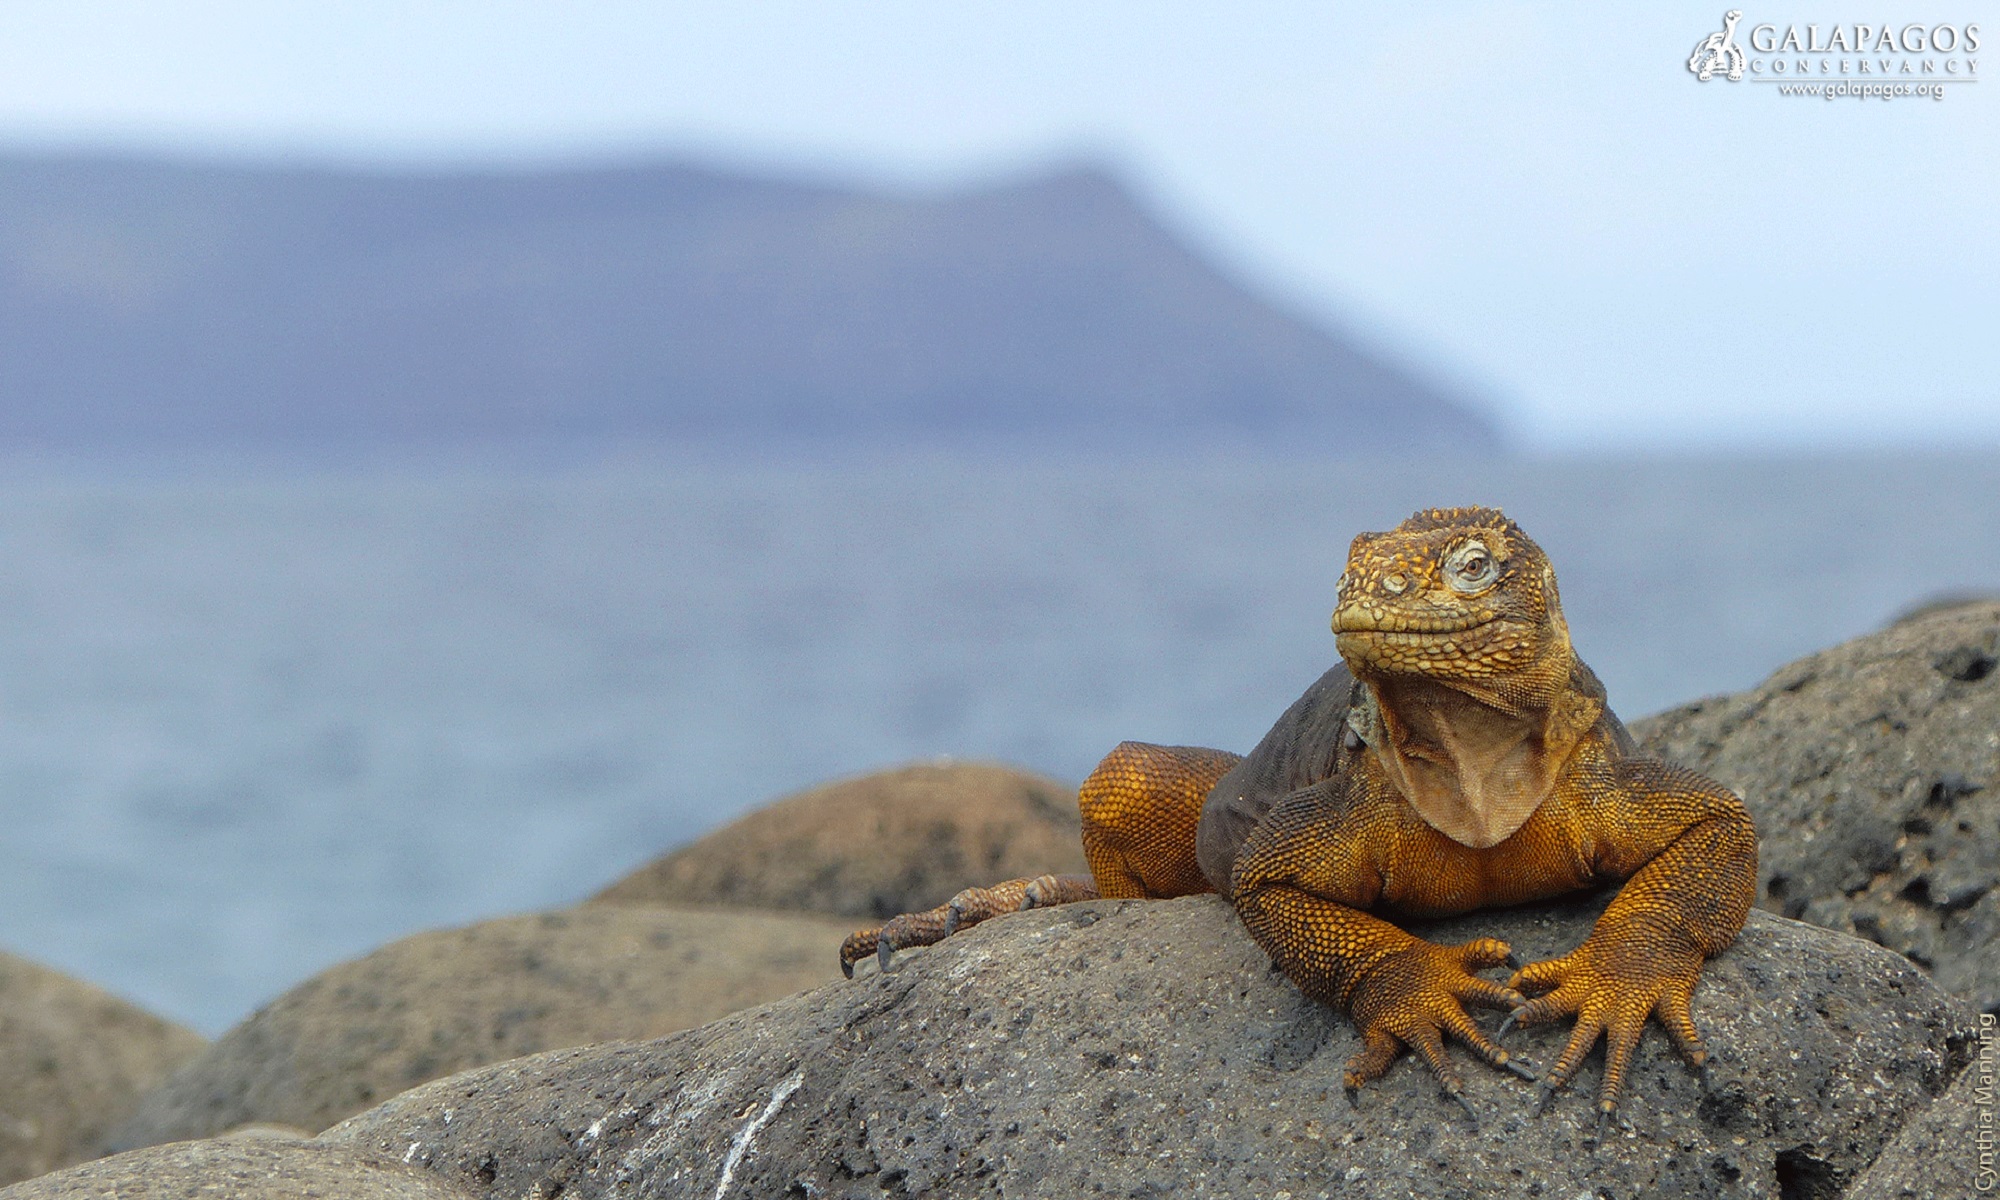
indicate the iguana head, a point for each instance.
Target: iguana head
{"x":1473,"y":697}
{"x":1459,"y":596}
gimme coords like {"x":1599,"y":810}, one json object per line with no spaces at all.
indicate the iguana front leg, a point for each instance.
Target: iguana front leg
{"x":1695,"y":853}
{"x":1300,"y":886}
{"x":1400,"y":990}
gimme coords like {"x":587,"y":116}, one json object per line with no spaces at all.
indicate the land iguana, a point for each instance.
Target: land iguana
{"x":1462,"y":757}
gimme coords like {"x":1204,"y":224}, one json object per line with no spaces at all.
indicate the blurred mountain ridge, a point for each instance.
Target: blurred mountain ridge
{"x":149,"y":302}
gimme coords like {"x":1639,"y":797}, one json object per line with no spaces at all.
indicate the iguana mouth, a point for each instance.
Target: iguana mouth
{"x":1362,"y":621}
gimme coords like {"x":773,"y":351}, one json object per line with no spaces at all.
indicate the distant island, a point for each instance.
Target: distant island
{"x":148,"y":303}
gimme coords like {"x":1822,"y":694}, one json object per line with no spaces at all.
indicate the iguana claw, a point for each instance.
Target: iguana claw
{"x":1467,"y":1106}
{"x":1522,"y":1069}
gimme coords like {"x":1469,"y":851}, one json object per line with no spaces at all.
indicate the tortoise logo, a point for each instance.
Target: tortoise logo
{"x":1719,"y":51}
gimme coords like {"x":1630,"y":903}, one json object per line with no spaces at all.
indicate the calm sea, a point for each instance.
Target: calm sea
{"x":256,"y":721}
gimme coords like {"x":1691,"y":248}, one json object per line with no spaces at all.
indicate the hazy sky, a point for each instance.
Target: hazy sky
{"x":1538,"y":199}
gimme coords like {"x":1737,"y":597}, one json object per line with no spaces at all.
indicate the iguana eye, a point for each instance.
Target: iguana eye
{"x":1470,"y":568}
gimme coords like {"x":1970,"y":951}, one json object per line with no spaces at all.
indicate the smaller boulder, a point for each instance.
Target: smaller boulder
{"x":264,"y":1167}
{"x":876,"y":845}
{"x":73,"y":1060}
{"x":450,"y":999}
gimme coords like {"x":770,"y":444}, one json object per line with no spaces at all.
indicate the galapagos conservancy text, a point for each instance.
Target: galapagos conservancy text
{"x":1857,"y":60}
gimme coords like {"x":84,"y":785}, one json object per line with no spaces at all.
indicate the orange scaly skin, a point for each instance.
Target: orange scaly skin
{"x":1141,"y":808}
{"x":1469,"y":762}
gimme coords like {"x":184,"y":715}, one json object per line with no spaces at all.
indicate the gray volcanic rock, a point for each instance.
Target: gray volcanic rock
{"x":1873,"y":770}
{"x":1142,"y":1048}
{"x":1937,"y":1153}
{"x":1944,"y":602}
{"x":875,"y":845}
{"x":450,"y":999}
{"x":264,"y":1167}
{"x":73,"y":1060}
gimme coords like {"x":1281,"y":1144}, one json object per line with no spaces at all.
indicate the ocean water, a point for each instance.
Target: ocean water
{"x":255,"y":721}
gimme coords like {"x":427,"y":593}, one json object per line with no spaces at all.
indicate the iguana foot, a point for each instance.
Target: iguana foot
{"x":962,"y":911}
{"x":1414,"y":998}
{"x":1611,"y":989}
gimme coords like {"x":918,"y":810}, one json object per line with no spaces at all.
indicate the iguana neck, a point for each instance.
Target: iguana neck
{"x":1473,"y":760}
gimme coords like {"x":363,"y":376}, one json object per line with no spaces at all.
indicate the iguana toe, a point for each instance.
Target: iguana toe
{"x":1379,"y":1049}
{"x":1047,"y":891}
{"x":925,"y":928}
{"x":977,"y":904}
{"x":855,"y":947}
{"x":910,"y":929}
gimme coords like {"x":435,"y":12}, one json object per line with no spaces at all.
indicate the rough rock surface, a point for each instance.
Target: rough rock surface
{"x":450,"y":999}
{"x":73,"y":1060}
{"x":1937,"y":1154}
{"x":875,"y":845}
{"x":1873,"y":770}
{"x":1140,"y":1048}
{"x":241,"y":1168}
{"x":1944,"y":602}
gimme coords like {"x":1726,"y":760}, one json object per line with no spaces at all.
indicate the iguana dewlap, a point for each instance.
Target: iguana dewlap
{"x":1462,"y":757}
